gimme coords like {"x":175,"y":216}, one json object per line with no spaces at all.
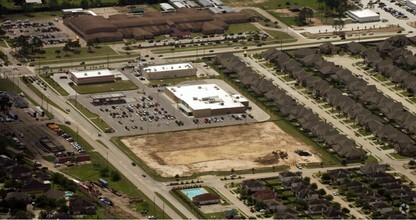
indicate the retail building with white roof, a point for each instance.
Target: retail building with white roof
{"x":364,"y":15}
{"x":165,"y":71}
{"x":91,"y":76}
{"x":205,"y":100}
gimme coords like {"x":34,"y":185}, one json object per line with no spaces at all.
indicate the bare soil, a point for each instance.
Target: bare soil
{"x":218,"y":149}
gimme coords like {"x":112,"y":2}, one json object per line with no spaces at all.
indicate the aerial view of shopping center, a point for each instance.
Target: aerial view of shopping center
{"x":208,"y":109}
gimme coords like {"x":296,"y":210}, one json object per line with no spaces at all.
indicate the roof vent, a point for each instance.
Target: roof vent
{"x":85,"y":74}
{"x":99,"y":73}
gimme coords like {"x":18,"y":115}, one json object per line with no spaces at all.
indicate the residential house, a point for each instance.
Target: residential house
{"x":328,"y":48}
{"x":265,"y":195}
{"x":20,"y":172}
{"x":253,"y":185}
{"x":80,"y":205}
{"x":333,"y":213}
{"x":22,"y":196}
{"x":381,"y":207}
{"x":353,"y":48}
{"x":35,"y":186}
{"x":55,"y":194}
{"x":206,"y":199}
{"x":373,"y":168}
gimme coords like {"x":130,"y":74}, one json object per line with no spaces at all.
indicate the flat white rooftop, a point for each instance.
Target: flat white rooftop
{"x":168,"y":67}
{"x":364,"y":13}
{"x":91,"y":73}
{"x":206,"y":96}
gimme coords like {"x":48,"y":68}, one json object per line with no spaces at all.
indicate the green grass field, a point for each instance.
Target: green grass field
{"x":98,"y":52}
{"x":172,"y":81}
{"x":279,"y":35}
{"x":118,"y":85}
{"x":271,"y":4}
{"x":8,"y":85}
{"x":237,"y":28}
{"x":87,"y":172}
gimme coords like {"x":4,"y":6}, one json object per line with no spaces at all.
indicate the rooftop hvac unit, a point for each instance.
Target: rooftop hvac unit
{"x":199,"y":87}
{"x":179,"y":67}
{"x":222,"y":103}
{"x":195,"y":98}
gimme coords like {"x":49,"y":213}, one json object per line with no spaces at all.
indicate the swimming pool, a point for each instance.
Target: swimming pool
{"x":191,"y":193}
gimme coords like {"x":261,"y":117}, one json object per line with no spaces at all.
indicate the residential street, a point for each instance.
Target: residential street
{"x":364,"y":142}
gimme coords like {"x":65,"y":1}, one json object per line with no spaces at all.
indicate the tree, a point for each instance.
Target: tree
{"x":303,"y":15}
{"x":65,"y":4}
{"x":90,"y":44}
{"x":58,"y":52}
{"x":36,"y":43}
{"x":2,"y":32}
{"x":22,"y":45}
{"x":53,"y":4}
{"x":104,"y":172}
{"x":84,"y":4}
{"x":115,"y":176}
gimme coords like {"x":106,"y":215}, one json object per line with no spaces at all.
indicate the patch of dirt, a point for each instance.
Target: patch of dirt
{"x":413,"y":24}
{"x":217,"y":149}
{"x":284,"y":12}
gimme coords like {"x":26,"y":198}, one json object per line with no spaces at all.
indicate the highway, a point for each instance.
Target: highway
{"x":117,"y":158}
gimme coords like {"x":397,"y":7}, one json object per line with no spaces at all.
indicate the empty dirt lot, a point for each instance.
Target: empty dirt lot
{"x":215,"y":149}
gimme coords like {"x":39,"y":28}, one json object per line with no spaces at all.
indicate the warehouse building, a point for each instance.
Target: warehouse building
{"x":152,"y":24}
{"x":364,"y":15}
{"x":80,"y":77}
{"x":411,"y":4}
{"x":165,"y":71}
{"x":206,"y":100}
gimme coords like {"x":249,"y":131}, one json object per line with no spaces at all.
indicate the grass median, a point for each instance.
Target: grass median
{"x":61,"y":91}
{"x":92,"y":117}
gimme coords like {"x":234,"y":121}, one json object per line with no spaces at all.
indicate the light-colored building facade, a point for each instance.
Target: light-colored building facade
{"x":80,"y":77}
{"x":364,"y":15}
{"x":165,"y":71}
{"x":205,"y":100}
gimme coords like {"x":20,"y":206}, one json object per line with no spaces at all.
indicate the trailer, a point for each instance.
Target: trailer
{"x":40,"y":111}
{"x":103,"y":182}
{"x":32,"y":112}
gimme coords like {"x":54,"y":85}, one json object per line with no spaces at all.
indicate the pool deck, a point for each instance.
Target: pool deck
{"x":192,"y":195}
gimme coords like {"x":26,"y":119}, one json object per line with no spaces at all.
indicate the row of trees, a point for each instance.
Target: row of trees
{"x":25,"y":46}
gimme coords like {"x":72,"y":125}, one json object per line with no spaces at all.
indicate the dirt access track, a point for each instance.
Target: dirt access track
{"x":218,"y":149}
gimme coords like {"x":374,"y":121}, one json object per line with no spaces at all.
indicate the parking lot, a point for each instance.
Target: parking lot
{"x":26,"y":130}
{"x":47,"y":31}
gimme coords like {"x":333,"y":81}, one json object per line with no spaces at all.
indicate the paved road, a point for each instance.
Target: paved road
{"x":348,"y":62}
{"x":213,"y":181}
{"x":117,"y":158}
{"x":364,"y":142}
